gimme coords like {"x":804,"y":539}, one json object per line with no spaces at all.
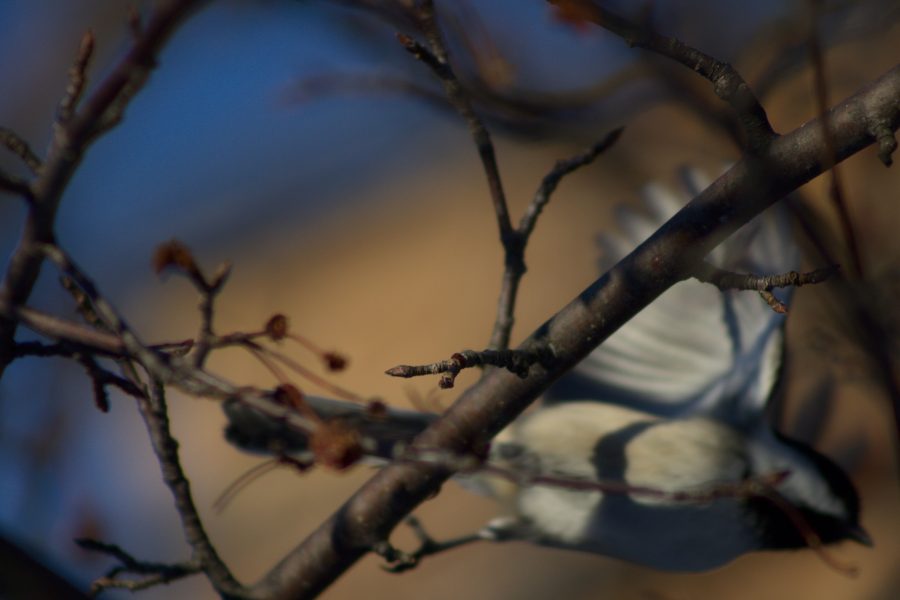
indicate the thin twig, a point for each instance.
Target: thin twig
{"x":727,"y":82}
{"x":174,"y":255}
{"x":15,"y":185}
{"x":514,"y":265}
{"x":20,"y":148}
{"x":436,"y":59}
{"x":729,"y":280}
{"x":298,"y":368}
{"x":244,"y":479}
{"x":101,"y":378}
{"x":514,"y":240}
{"x":561,"y":169}
{"x":764,"y":284}
{"x":77,"y":78}
{"x":63,"y":330}
{"x":773,"y":302}
{"x":514,"y":361}
{"x":153,"y":573}
{"x":70,"y":142}
{"x":399,"y":561}
{"x":208,"y":292}
{"x":156,"y":418}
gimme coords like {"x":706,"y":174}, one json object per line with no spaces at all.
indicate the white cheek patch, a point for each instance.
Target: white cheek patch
{"x":804,"y":485}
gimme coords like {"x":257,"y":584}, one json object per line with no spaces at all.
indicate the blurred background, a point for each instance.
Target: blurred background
{"x":300,"y":141}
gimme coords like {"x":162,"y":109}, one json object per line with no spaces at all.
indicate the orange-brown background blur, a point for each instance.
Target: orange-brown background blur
{"x":408,"y":273}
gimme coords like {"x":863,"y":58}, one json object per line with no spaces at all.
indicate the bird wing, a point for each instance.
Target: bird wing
{"x":696,"y":348}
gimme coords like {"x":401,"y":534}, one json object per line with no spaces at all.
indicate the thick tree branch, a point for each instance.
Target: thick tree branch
{"x":671,"y":254}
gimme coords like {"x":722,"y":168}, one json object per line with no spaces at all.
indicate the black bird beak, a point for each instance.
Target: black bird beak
{"x":858,"y":534}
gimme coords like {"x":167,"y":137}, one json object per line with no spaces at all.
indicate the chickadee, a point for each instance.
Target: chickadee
{"x":674,"y":402}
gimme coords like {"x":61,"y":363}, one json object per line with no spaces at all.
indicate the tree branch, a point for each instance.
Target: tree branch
{"x":727,"y":82}
{"x":514,"y":361}
{"x":20,"y":148}
{"x":514,"y":240}
{"x":152,"y":573}
{"x":155,"y":414}
{"x":764,"y":284}
{"x":671,"y":254}
{"x":73,"y":135}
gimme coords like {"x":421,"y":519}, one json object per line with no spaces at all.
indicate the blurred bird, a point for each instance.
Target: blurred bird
{"x":675,"y":402}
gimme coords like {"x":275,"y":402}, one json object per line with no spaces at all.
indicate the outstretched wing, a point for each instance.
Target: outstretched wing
{"x":695,"y":349}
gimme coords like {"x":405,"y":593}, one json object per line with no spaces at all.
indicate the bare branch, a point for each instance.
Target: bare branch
{"x":561,"y":169}
{"x":727,"y":82}
{"x":773,"y":302}
{"x":152,"y":573}
{"x":764,"y":284}
{"x":101,"y":378}
{"x":20,"y":148}
{"x":70,"y":142}
{"x":514,"y":240}
{"x":514,"y":265}
{"x":63,"y":330}
{"x":14,"y":185}
{"x":155,"y":414}
{"x":77,"y":78}
{"x":400,"y":562}
{"x":436,"y":60}
{"x":514,"y":361}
